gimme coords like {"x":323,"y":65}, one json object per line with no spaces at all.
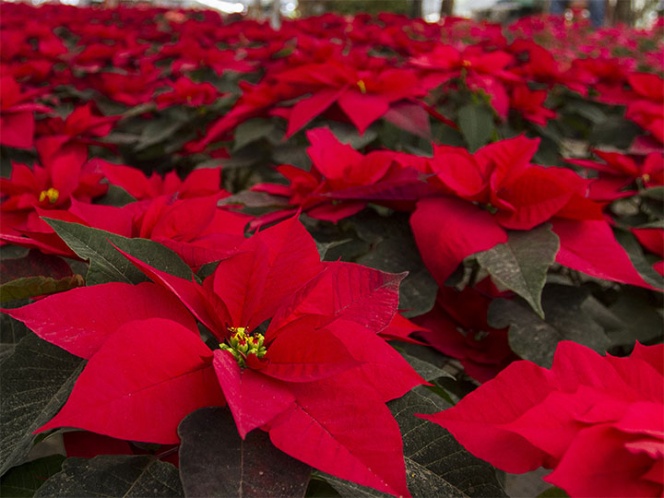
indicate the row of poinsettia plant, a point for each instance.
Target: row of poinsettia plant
{"x":400,"y":200}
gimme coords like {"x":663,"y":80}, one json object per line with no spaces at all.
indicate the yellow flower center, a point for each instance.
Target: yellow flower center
{"x":466,"y":63}
{"x":240,"y":344}
{"x":51,"y":194}
{"x":645,"y":177}
{"x":362,"y":86}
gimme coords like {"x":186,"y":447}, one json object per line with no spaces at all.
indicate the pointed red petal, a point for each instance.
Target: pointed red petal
{"x":82,"y":319}
{"x":591,"y":248}
{"x":363,"y":109}
{"x":354,"y":438}
{"x":253,"y":398}
{"x":300,"y":353}
{"x":139,"y":386}
{"x":269,"y":267}
{"x":307,"y":109}
{"x":447,"y":230}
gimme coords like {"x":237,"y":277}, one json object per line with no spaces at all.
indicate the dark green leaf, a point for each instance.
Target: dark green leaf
{"x":614,"y":131}
{"x":24,"y":480}
{"x":116,"y":475}
{"x":424,"y":360}
{"x":116,"y":196}
{"x":521,"y":264}
{"x":640,"y":314}
{"x":568,"y":317}
{"x":429,"y":446}
{"x":22,"y":288}
{"x":34,"y":383}
{"x":109,"y":265}
{"x":476,"y":124}
{"x":156,"y":131}
{"x":393,"y":250}
{"x":251,"y":131}
{"x":215,"y":461}
{"x":553,"y":493}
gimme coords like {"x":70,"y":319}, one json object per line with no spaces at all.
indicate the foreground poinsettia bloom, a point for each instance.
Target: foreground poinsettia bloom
{"x":146,"y":357}
{"x":597,"y":421}
{"x":483,"y":195}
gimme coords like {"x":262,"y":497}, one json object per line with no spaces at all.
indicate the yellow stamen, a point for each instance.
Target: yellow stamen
{"x":466,"y":63}
{"x":240,"y":344}
{"x":645,"y":177}
{"x":51,"y":194}
{"x":362,"y":86}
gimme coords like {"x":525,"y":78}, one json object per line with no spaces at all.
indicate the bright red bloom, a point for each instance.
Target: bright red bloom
{"x":648,"y":110}
{"x":621,"y":175}
{"x":457,"y":327}
{"x":597,"y":421}
{"x":17,"y":120}
{"x":485,"y":71}
{"x":497,"y":189}
{"x":530,"y":104}
{"x":45,"y":188}
{"x":187,"y":92}
{"x":342,"y":180}
{"x":199,"y":183}
{"x":321,"y":344}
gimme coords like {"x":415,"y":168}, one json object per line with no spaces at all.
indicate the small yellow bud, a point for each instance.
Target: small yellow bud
{"x":362,"y":86}
{"x":51,"y":194}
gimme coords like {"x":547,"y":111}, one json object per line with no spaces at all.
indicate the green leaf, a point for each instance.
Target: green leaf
{"x":569,"y":316}
{"x":116,"y":475}
{"x":26,"y":287}
{"x":215,"y":461}
{"x":476,"y":124}
{"x":429,"y":446}
{"x":109,"y":265}
{"x":34,"y":383}
{"x":635,"y":253}
{"x":553,"y":493}
{"x":24,"y":480}
{"x":251,"y":131}
{"x":116,"y":196}
{"x":393,"y":249}
{"x":156,"y":131}
{"x":521,"y":264}
{"x":424,"y":360}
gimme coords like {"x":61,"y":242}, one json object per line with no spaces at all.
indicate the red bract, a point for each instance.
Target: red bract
{"x":597,"y":421}
{"x":342,"y":180}
{"x":321,"y":344}
{"x":497,"y":189}
{"x":457,"y":327}
{"x":187,"y":92}
{"x":17,"y":121}
{"x":648,"y":109}
{"x":45,"y":188}
{"x":621,"y":175}
{"x":199,"y":183}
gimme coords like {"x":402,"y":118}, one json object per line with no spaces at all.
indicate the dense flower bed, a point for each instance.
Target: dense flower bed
{"x":399,"y":200}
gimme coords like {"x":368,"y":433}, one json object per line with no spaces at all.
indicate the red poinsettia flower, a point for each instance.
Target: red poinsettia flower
{"x":29,"y":190}
{"x":321,"y":343}
{"x":480,"y":70}
{"x":342,"y":180}
{"x":597,"y":421}
{"x":497,"y":189}
{"x":364,"y":95}
{"x":17,"y":120}
{"x":530,"y":104}
{"x":184,"y":91}
{"x":621,"y":175}
{"x":648,"y":109}
{"x":194,"y":228}
{"x":457,"y":327}
{"x":199,"y":183}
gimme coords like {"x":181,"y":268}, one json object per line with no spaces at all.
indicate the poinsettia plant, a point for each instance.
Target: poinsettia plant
{"x":319,"y":260}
